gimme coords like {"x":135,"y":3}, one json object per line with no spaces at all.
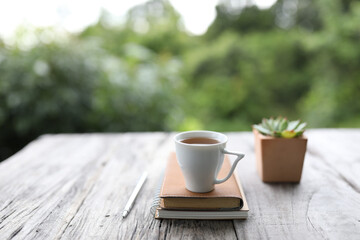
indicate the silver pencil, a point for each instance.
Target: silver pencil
{"x":134,"y":194}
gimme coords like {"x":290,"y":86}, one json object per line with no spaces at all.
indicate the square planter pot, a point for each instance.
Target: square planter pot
{"x":279,"y":159}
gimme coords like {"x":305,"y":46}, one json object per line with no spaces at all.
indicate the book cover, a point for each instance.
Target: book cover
{"x":226,"y":201}
{"x":174,"y":195}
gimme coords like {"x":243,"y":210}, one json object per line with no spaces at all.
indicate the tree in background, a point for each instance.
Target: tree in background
{"x":298,"y":59}
{"x":335,"y":60}
{"x":47,"y":89}
{"x":107,"y":79}
{"x":146,"y":53}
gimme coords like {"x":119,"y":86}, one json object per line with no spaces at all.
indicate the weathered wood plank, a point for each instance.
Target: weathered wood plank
{"x":320,"y":207}
{"x":75,"y":187}
{"x":100,"y":217}
{"x":339,"y":149}
{"x":49,"y":182}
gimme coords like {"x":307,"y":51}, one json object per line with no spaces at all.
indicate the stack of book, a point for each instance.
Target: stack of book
{"x":174,"y":201}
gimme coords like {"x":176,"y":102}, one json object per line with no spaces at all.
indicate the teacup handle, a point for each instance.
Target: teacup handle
{"x":239,"y":157}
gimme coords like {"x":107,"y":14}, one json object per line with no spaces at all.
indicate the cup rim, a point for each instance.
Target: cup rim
{"x":222,"y":138}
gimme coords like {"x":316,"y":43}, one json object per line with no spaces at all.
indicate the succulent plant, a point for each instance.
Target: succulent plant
{"x":281,"y":127}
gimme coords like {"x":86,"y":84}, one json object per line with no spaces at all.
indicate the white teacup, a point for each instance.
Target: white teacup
{"x":200,"y":155}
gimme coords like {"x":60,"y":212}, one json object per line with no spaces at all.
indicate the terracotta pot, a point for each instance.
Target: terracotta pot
{"x":279,"y":159}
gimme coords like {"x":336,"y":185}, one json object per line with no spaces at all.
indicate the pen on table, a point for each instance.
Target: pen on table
{"x":134,"y":194}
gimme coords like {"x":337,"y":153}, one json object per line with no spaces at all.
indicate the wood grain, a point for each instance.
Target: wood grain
{"x":322,"y":206}
{"x":70,"y":186}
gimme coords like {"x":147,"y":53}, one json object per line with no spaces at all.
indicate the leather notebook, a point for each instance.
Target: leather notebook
{"x":226,"y":196}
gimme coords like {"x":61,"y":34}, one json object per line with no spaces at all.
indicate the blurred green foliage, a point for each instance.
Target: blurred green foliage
{"x":299,"y":59}
{"x":48,"y":88}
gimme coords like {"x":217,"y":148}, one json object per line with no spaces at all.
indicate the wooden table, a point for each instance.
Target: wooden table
{"x":76,"y":186}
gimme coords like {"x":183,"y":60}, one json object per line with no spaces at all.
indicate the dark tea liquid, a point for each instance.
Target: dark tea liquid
{"x":200,"y":140}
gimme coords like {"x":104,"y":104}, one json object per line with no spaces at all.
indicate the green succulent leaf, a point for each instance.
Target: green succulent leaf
{"x":281,"y":127}
{"x":301,"y":127}
{"x":288,"y":134}
{"x":283,"y":124}
{"x":266,"y":124}
{"x":292,"y":125}
{"x":298,"y":134}
{"x":277,"y":134}
{"x":277,"y":123}
{"x":271,"y":124}
{"x":263,"y":130}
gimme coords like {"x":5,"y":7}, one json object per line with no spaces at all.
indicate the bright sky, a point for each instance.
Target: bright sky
{"x":74,"y":15}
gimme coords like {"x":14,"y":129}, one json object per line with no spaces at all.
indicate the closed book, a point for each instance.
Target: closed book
{"x":174,"y":201}
{"x":174,"y":195}
{"x":201,"y":215}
